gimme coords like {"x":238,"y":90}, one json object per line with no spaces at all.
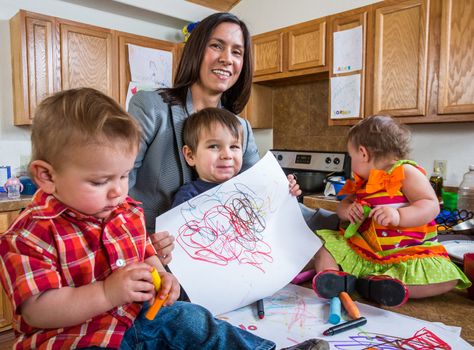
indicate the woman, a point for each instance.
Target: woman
{"x":215,"y":70}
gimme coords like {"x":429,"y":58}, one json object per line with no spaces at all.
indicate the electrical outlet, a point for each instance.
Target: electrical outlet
{"x":442,"y":165}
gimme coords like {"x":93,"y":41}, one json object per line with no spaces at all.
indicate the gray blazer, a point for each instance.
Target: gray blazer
{"x":160,"y":168}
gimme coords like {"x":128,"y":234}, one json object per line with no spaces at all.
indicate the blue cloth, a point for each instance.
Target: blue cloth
{"x":188,"y":326}
{"x":191,"y":190}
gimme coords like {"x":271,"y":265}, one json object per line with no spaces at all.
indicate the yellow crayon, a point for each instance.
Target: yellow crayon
{"x":153,"y":310}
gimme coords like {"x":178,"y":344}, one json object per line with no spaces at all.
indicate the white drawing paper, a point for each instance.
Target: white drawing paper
{"x":295,"y":314}
{"x":152,"y":66}
{"x":345,"y":96}
{"x":240,"y":241}
{"x":134,"y":87}
{"x":347,"y":55}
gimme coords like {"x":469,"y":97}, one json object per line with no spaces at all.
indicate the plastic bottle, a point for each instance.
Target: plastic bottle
{"x":436,"y":181}
{"x":466,"y":191}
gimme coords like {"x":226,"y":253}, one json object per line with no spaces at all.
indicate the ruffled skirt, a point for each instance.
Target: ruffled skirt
{"x":411,"y":271}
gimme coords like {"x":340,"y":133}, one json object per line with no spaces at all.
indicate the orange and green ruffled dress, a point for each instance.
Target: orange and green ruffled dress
{"x":410,"y":254}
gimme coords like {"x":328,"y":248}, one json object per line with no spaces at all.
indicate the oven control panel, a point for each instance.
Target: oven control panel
{"x":312,"y":160}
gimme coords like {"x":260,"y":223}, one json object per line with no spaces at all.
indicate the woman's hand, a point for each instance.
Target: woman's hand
{"x":294,"y":187}
{"x":164,"y":245}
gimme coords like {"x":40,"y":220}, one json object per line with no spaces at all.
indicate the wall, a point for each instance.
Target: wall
{"x":15,"y":147}
{"x":449,"y":141}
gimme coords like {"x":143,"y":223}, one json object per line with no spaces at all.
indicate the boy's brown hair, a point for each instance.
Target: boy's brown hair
{"x":78,"y":117}
{"x":382,"y":136}
{"x":205,"y":119}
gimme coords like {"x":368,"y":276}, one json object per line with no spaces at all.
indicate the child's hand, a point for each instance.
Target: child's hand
{"x":294,"y":187}
{"x":164,"y":245}
{"x":129,"y":284}
{"x":385,"y":215}
{"x":355,"y":212}
{"x":170,"y":286}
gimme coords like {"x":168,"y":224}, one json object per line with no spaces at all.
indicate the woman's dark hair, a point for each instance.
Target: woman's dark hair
{"x":236,"y":97}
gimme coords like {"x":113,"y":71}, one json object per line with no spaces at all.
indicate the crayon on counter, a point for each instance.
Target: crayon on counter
{"x":351,"y":230}
{"x":260,"y":309}
{"x":158,"y":303}
{"x":349,"y":305}
{"x":345,"y":326}
{"x":304,"y":276}
{"x":335,"y":311}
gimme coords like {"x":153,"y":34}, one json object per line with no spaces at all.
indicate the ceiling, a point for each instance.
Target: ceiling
{"x":219,"y":5}
{"x":180,"y":9}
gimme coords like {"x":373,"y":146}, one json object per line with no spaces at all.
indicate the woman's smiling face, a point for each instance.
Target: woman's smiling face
{"x":223,"y":59}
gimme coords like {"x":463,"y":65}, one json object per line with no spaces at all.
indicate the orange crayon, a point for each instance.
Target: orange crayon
{"x":349,"y":305}
{"x":153,"y":310}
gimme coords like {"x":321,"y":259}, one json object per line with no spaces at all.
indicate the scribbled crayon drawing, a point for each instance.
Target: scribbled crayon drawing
{"x":423,"y":339}
{"x":222,"y":231}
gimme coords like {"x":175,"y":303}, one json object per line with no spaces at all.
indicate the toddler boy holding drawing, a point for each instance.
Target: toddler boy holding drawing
{"x":77,"y":262}
{"x":213,"y":147}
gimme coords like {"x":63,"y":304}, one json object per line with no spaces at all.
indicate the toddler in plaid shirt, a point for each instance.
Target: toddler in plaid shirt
{"x":77,"y":262}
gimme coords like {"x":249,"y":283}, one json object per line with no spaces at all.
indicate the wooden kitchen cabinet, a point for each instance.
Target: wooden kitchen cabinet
{"x":349,"y":20}
{"x":400,"y":58}
{"x":124,"y":68}
{"x":51,"y":54}
{"x":259,"y":109}
{"x":32,"y":49}
{"x":298,"y":50}
{"x":456,"y":72}
{"x":6,"y":218}
{"x":88,"y":58}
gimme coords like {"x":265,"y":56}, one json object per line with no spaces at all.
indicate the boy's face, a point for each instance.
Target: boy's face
{"x":94,"y":181}
{"x":218,"y":156}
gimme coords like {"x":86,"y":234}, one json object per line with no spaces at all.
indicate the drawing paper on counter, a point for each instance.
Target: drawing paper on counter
{"x":244,"y":239}
{"x":295,"y":314}
{"x":347,"y":54}
{"x":345,"y":96}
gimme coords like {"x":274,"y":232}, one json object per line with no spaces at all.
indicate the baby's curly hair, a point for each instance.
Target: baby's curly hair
{"x":382,"y":136}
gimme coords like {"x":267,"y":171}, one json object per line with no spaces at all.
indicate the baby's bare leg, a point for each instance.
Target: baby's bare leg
{"x":323,"y":260}
{"x":429,"y":290}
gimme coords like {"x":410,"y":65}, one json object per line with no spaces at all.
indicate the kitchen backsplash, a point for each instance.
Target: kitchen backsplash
{"x":300,"y":118}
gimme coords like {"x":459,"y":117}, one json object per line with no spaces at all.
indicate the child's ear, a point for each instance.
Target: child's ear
{"x":188,"y":155}
{"x":42,"y":173}
{"x":365,"y":153}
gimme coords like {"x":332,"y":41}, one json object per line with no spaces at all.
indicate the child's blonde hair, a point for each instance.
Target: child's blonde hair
{"x":382,"y":136}
{"x":75,"y":118}
{"x":205,"y":119}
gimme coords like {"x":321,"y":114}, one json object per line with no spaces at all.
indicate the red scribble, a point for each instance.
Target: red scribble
{"x":227,"y":232}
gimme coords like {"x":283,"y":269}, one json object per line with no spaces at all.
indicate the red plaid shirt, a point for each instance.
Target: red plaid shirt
{"x":52,"y":246}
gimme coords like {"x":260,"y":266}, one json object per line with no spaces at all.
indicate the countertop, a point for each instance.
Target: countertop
{"x":7,"y":204}
{"x":316,"y":201}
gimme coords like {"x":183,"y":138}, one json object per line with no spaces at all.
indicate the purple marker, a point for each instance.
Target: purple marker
{"x":304,"y":276}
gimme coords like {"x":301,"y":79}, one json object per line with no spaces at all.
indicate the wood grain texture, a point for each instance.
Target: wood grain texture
{"x":307,"y":46}
{"x":219,"y":5}
{"x":456,"y":68}
{"x":400,"y":59}
{"x":267,"y":53}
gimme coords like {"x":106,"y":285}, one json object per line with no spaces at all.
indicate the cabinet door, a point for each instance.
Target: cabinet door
{"x":88,"y":59}
{"x":259,"y":109}
{"x":124,"y":68}
{"x":352,"y":19}
{"x":307,"y":46}
{"x":456,"y":72}
{"x":267,"y":53}
{"x":32,"y":41}
{"x":400,"y":59}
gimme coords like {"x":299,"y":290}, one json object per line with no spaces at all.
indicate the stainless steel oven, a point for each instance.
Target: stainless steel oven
{"x":312,"y":167}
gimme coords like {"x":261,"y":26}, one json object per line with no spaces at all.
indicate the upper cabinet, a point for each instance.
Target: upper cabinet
{"x":87,"y":58}
{"x":290,"y":52}
{"x":50,"y":54}
{"x":400,"y":59}
{"x":32,"y":49}
{"x":456,"y":59}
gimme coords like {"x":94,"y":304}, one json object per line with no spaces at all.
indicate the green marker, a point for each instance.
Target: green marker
{"x":351,"y":230}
